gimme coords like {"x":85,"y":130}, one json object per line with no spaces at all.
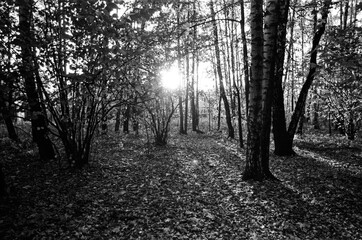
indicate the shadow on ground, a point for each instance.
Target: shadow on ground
{"x":190,"y":189}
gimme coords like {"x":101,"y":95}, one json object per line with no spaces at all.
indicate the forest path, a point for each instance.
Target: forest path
{"x":189,"y":189}
{"x":192,"y":189}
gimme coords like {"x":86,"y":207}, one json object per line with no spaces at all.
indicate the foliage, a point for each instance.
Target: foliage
{"x":89,"y":57}
{"x":78,"y":56}
{"x":341,"y":76}
{"x":10,"y":84}
{"x":157,"y":105}
{"x":159,"y":116}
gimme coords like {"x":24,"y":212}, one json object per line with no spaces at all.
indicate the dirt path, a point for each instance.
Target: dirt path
{"x":190,"y":189}
{"x":185,"y":195}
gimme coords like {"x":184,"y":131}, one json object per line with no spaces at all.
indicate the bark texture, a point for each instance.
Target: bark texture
{"x":38,"y":119}
{"x":245,"y":56}
{"x":253,"y":168}
{"x":269,"y":56}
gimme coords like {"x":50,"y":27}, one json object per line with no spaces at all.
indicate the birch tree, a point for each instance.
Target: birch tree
{"x":253,"y":167}
{"x":263,"y":49}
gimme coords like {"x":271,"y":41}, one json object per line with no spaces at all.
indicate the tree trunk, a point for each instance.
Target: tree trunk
{"x":341,"y":13}
{"x":301,"y":123}
{"x":219,"y":114}
{"x":182,"y":130}
{"x":236,"y":80}
{"x":104,"y":125}
{"x":118,"y":120}
{"x":60,"y":71}
{"x":263,"y":56}
{"x":135,"y":115}
{"x":285,"y":19}
{"x":126,"y":118}
{"x":217,"y":94}
{"x":312,"y":71}
{"x":254,"y":168}
{"x":245,"y":56}
{"x":233,"y":76}
{"x":240,"y":125}
{"x":315,"y":111}
{"x":245,"y":62}
{"x":227,"y":58}
{"x":179,"y":65}
{"x":197,"y":97}
{"x":281,"y":143}
{"x":351,"y":126}
{"x":38,"y":120}
{"x":193,"y":81}
{"x":329,"y":122}
{"x":5,"y":111}
{"x":209,"y":111}
{"x":345,"y":17}
{"x":355,"y":20}
{"x":218,"y":66}
{"x":269,"y":57}
{"x":291,"y":109}
{"x":187,"y":91}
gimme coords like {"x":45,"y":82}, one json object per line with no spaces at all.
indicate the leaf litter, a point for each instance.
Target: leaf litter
{"x":190,"y":189}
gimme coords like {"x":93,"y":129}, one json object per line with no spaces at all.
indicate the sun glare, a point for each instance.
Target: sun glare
{"x":171,"y":78}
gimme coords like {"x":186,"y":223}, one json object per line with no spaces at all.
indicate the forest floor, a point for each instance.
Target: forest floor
{"x":189,"y":189}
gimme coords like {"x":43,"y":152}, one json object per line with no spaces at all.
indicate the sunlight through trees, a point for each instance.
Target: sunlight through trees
{"x":180,"y":119}
{"x":73,"y":70}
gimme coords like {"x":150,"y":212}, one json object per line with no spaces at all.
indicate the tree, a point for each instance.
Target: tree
{"x":187,"y":74}
{"x":298,"y":111}
{"x":179,"y":65}
{"x":8,"y":76}
{"x":160,"y":111}
{"x":220,"y":75}
{"x":279,"y":122}
{"x":253,"y":167}
{"x":245,"y":66}
{"x":118,"y":119}
{"x":194,"y":75}
{"x":340,"y":78}
{"x":27,"y":70}
{"x":284,"y":139}
{"x":237,"y":85}
{"x":269,"y":58}
{"x":245,"y":56}
{"x":5,"y":110}
{"x":93,"y":59}
{"x":263,"y":47}
{"x":85,"y":87}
